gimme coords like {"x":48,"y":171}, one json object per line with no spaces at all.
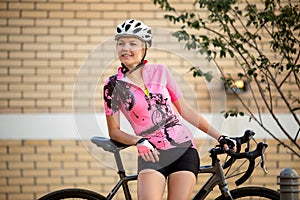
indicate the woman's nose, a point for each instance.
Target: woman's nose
{"x":126,"y":47}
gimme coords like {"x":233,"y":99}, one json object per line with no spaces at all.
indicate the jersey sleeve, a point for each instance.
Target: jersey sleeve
{"x":172,"y":86}
{"x":111,"y":99}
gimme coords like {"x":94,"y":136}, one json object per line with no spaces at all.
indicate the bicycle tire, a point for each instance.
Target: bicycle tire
{"x":247,"y":192}
{"x":73,"y":193}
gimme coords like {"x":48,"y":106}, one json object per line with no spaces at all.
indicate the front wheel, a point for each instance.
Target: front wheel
{"x":252,"y":193}
{"x":73,"y":193}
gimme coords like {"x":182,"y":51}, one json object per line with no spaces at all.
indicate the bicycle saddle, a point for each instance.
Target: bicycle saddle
{"x":108,"y":144}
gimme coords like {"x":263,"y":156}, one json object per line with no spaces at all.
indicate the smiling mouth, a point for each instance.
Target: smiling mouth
{"x":126,"y":55}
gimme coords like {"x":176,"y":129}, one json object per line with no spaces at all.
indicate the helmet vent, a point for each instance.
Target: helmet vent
{"x":119,"y":30}
{"x":127,"y":27}
{"x":137,"y":30}
{"x":138,"y":24}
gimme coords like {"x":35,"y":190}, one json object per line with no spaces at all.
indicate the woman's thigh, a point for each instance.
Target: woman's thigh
{"x":180,"y":185}
{"x":151,"y":185}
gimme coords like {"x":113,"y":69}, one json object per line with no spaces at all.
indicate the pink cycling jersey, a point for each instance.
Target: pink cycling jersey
{"x":151,"y":114}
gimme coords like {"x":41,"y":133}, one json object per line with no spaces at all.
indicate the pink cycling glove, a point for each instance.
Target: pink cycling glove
{"x":145,"y":146}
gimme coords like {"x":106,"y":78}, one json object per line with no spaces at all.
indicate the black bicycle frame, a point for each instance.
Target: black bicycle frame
{"x":217,"y":178}
{"x":124,"y":183}
{"x":124,"y":179}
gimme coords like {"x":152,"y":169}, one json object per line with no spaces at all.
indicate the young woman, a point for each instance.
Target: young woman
{"x":152,"y":102}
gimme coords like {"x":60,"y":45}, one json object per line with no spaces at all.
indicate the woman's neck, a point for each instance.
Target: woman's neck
{"x":136,"y":76}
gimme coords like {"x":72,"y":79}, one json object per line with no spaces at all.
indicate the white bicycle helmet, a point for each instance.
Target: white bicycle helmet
{"x":136,"y":28}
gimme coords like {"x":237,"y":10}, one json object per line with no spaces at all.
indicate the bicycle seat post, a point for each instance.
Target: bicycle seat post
{"x":122,"y":174}
{"x":119,"y":162}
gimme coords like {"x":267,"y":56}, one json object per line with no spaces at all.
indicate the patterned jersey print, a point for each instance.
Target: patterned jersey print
{"x":151,"y":114}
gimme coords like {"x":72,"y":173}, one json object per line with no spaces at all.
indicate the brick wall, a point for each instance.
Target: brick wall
{"x":31,"y":168}
{"x":44,"y":44}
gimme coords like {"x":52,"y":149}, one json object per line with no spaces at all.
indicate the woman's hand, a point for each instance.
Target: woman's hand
{"x":227,"y":142}
{"x":147,"y":150}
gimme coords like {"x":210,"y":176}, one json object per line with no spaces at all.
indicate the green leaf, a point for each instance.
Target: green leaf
{"x":251,"y":71}
{"x":197,"y":72}
{"x":232,"y":113}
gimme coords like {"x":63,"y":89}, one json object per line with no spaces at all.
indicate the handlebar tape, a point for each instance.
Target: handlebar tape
{"x":247,"y":174}
{"x":251,"y":156}
{"x":239,"y":141}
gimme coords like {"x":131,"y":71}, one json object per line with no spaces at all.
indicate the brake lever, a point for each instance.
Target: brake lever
{"x":262,"y":164}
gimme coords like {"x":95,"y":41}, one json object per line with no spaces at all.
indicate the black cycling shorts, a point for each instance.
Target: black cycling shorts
{"x":173,"y":160}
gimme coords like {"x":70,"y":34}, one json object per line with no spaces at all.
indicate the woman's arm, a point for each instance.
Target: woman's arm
{"x":147,"y":151}
{"x":195,"y":118}
{"x":115,"y":133}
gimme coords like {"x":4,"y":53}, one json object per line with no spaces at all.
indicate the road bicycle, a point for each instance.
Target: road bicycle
{"x":216,"y":169}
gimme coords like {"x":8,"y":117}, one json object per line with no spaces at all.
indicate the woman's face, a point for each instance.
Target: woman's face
{"x":130,"y":51}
